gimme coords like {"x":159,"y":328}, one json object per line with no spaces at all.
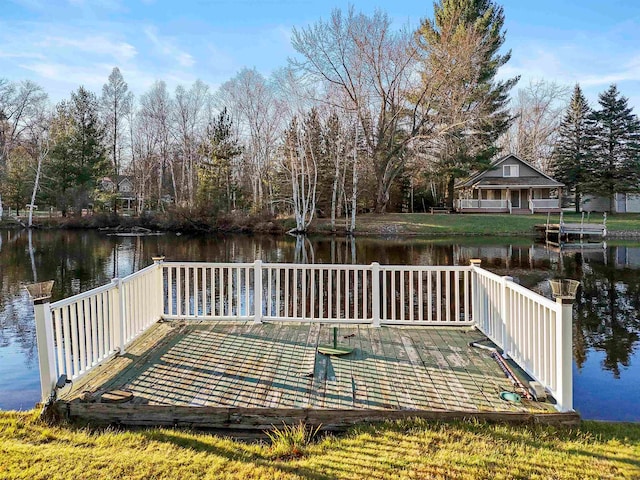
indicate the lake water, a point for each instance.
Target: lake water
{"x":606,"y":314}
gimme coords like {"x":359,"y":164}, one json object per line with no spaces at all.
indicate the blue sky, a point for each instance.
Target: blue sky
{"x":61,"y":44}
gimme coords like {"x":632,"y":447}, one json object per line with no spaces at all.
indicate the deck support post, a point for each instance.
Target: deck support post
{"x":46,"y":347}
{"x":257,"y":291}
{"x":505,"y":314}
{"x":375,"y":294}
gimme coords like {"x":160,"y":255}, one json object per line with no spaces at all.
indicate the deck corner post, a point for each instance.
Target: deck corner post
{"x":564,"y":292}
{"x":46,"y":347}
{"x":257,"y":291}
{"x":376,"y":294}
{"x":505,"y":313}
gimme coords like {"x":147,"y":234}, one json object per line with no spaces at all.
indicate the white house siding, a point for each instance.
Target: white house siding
{"x":591,"y":203}
{"x":629,"y":203}
{"x":633,"y":203}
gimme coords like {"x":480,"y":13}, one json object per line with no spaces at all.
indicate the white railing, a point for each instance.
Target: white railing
{"x":529,"y":328}
{"x":416,"y":295}
{"x":488,"y":204}
{"x":77,"y":333}
{"x":92,"y":326}
{"x":544,"y":203}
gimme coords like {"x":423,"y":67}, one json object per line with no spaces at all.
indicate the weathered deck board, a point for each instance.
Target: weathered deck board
{"x":235,"y":366}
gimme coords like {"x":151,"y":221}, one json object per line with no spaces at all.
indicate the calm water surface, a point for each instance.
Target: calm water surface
{"x":606,"y":315}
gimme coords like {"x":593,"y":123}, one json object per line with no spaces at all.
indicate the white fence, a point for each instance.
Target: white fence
{"x":77,"y":333}
{"x":94,"y":325}
{"x":377,"y":294}
{"x":529,"y":328}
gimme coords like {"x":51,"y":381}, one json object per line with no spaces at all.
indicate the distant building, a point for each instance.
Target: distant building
{"x":122,"y":186}
{"x":622,"y":203}
{"x":509,"y":185}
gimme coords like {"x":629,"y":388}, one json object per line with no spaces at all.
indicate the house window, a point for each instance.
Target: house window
{"x":510,"y":170}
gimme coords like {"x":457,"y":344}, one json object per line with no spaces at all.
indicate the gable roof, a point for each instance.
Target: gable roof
{"x":478,"y":178}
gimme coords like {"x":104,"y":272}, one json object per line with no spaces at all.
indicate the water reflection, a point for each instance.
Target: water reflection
{"x":606,"y":327}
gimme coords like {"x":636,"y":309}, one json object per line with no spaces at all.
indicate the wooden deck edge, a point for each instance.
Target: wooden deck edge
{"x":262,"y":419}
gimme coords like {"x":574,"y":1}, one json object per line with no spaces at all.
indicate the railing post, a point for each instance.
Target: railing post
{"x":564,"y":292}
{"x":475,"y":303}
{"x":159,"y":284}
{"x":44,"y":337}
{"x":505,"y":314}
{"x":257,"y":291}
{"x":119,"y":324}
{"x":375,"y":294}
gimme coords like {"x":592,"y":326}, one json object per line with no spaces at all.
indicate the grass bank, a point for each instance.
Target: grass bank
{"x":401,"y":450}
{"x":472,"y":224}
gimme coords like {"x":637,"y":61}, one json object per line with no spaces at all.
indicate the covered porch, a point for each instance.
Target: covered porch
{"x":508,"y":199}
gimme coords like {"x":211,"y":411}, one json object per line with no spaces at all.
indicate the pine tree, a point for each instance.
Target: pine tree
{"x":572,"y":151}
{"x":78,"y":158}
{"x":461,"y":47}
{"x":615,"y":164}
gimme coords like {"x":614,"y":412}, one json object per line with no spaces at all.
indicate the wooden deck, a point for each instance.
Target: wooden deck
{"x":251,"y":376}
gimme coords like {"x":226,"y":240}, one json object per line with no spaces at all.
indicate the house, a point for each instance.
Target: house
{"x":622,"y":203}
{"x":122,"y":186}
{"x":509,"y":185}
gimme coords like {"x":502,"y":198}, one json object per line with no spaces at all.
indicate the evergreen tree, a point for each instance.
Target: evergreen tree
{"x":572,"y":151}
{"x":78,"y":158}
{"x":615,"y":164}
{"x":461,"y":47}
{"x":217,"y":186}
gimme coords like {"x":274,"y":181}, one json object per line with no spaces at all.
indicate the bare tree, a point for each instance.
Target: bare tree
{"x":19,"y":104}
{"x":116,"y":103}
{"x":538,"y":109}
{"x":191,"y":117}
{"x":371,"y":68}
{"x":155,"y":113}
{"x":254,"y":108}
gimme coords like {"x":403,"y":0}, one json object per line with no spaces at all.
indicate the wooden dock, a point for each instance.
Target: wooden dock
{"x":247,"y":376}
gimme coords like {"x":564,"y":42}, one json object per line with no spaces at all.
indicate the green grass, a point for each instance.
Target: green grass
{"x":30,"y":449}
{"x":471,"y":224}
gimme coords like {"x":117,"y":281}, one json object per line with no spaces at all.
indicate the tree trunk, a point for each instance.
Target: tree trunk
{"x":1,"y":208}
{"x":36,"y":184}
{"x":576,"y":200}
{"x":450,"y":191}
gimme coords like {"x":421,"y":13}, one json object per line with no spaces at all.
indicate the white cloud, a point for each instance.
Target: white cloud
{"x":100,"y":45}
{"x":168,"y":47}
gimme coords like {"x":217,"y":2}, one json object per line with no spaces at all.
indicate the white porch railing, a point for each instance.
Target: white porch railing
{"x":77,"y":333}
{"x":537,"y":204}
{"x":488,"y":204}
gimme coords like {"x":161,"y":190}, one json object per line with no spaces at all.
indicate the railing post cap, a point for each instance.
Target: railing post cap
{"x":158,"y":258}
{"x":115,"y":280}
{"x":476,"y":262}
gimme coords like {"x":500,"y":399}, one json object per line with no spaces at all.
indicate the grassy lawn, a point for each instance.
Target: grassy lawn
{"x":471,"y":224}
{"x":403,"y":450}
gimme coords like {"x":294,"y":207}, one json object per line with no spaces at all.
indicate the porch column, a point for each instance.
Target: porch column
{"x":531,"y":199}
{"x":509,"y":199}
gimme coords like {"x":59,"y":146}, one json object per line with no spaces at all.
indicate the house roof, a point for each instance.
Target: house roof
{"x":478,"y":179}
